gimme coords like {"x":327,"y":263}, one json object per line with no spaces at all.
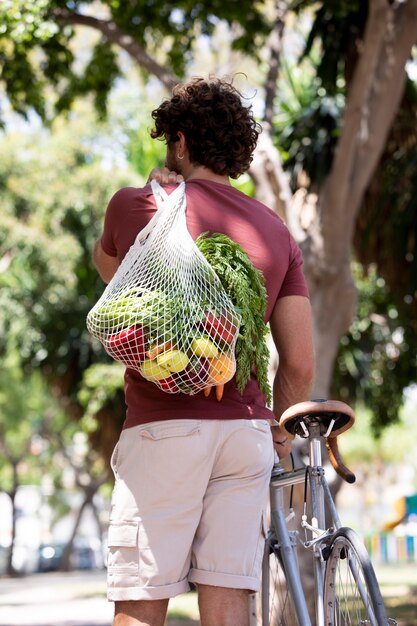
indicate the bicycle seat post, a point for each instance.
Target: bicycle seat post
{"x":316,"y":474}
{"x":314,"y":437}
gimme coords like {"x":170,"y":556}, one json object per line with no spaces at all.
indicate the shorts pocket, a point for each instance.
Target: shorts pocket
{"x":167,"y":429}
{"x":122,"y":561}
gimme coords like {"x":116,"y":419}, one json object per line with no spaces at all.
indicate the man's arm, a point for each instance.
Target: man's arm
{"x":291,"y":328}
{"x":106,"y":265}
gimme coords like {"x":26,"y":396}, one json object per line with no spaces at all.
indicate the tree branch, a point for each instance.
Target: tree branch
{"x":114,"y":35}
{"x":271,"y":184}
{"x":274,"y":48}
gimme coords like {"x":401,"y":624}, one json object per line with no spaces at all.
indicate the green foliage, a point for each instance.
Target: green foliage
{"x":307,"y":123}
{"x":244,"y":285}
{"x":28,"y":417}
{"x":387,"y":229}
{"x":49,"y":227}
{"x":38,"y":43}
{"x":245,"y":184}
{"x":386,"y":236}
{"x":48,"y":282}
{"x":377,"y":359}
{"x":98,"y":78}
{"x":49,"y":223}
{"x":359,"y":444}
{"x":179,"y":22}
{"x":335,"y":29}
{"x":143,"y":152}
{"x":39,"y":444}
{"x":101,"y":384}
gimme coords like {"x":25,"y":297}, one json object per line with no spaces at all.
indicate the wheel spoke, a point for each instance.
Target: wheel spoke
{"x":279,"y":604}
{"x":352,"y":596}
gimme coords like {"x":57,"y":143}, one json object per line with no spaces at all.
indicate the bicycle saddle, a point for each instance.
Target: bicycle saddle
{"x":323,"y":411}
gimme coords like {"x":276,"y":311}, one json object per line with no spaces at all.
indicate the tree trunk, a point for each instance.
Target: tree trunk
{"x":65,"y":564}
{"x":333,"y":300}
{"x":89,"y":493}
{"x":390,"y":33}
{"x":327,"y":238}
{"x":10,"y":570}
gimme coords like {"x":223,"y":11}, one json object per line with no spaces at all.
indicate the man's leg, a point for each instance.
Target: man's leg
{"x":140,"y":613}
{"x":220,"y":606}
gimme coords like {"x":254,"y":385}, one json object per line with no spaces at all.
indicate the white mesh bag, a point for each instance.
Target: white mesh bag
{"x":165,"y":312}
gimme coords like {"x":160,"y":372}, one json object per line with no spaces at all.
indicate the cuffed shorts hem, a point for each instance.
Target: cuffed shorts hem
{"x":162,"y":592}
{"x":230,"y":581}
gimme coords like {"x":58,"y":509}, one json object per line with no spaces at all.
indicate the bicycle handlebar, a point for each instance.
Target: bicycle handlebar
{"x":337,"y":462}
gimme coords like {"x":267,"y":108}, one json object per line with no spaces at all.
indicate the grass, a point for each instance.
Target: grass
{"x":183,"y":610}
{"x":398,"y":586}
{"x":399,"y":589}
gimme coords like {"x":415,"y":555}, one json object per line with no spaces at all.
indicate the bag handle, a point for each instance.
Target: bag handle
{"x":161,"y":195}
{"x":163,"y":201}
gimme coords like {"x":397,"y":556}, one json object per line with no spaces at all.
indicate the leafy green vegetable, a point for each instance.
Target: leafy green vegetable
{"x":244,"y":284}
{"x":152,"y":309}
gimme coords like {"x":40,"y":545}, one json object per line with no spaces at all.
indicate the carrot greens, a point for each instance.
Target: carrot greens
{"x":245,"y":286}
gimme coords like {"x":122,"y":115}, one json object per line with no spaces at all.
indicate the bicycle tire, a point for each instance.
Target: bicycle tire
{"x":275,"y":607}
{"x":351,"y":591}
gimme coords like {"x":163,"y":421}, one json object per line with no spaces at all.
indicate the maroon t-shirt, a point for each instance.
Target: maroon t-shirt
{"x":211,"y":207}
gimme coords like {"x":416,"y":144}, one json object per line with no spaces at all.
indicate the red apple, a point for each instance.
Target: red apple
{"x":128,"y":345}
{"x":221,"y":327}
{"x":168,"y":384}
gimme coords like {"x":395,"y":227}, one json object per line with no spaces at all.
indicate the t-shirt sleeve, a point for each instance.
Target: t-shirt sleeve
{"x":294,"y":282}
{"x":129,"y":210}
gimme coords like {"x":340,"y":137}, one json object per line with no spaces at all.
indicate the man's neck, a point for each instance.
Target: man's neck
{"x":203,"y":173}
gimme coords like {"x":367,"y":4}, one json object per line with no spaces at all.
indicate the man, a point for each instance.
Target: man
{"x":192,"y":473}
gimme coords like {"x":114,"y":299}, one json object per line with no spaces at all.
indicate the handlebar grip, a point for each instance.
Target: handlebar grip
{"x":337,"y":461}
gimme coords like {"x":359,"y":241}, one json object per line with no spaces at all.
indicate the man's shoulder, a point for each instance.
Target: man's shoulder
{"x":127,"y":197}
{"x":212,"y":191}
{"x":128,"y":192}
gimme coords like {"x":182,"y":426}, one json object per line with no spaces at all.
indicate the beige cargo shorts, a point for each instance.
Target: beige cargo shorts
{"x":188,"y":506}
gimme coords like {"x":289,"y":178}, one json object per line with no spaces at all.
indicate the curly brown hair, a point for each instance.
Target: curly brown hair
{"x":220,"y":132}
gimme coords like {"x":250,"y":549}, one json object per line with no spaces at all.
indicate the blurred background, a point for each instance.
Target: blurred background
{"x":334,"y":86}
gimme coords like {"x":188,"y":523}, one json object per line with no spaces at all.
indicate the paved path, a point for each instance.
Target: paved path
{"x":71,"y":599}
{"x":55,"y":599}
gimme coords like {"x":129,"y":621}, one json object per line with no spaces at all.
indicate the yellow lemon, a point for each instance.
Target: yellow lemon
{"x":173,"y":360}
{"x":204,"y":347}
{"x":153,"y":371}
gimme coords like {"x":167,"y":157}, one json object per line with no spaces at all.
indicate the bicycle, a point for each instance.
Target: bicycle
{"x":346,"y":590}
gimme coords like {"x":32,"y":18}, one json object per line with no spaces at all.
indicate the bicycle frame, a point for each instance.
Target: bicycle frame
{"x":287,"y":548}
{"x":320,"y":498}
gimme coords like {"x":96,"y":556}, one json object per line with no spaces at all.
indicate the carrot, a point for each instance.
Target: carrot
{"x":155,"y":350}
{"x":207,"y":391}
{"x":219,"y":392}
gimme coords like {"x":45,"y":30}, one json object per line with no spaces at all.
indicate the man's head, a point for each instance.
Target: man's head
{"x":219,"y":131}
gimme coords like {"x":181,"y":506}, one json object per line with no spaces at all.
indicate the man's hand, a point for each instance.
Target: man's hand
{"x":164,"y":176}
{"x":282,"y":441}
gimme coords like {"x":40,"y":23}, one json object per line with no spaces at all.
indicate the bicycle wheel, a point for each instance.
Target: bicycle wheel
{"x":351,"y":590}
{"x":275,"y":606}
